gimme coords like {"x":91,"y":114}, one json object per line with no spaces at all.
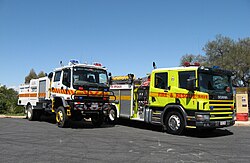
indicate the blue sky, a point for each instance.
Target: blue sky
{"x":124,"y":35}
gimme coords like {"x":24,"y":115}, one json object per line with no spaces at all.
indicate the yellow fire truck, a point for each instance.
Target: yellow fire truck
{"x":192,"y":96}
{"x":72,"y":92}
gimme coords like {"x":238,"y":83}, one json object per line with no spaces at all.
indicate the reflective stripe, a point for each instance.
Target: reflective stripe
{"x":28,"y":95}
{"x":221,"y":118}
{"x":78,"y":92}
{"x":178,"y":95}
{"x":42,"y":95}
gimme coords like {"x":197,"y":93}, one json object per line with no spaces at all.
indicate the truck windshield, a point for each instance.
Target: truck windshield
{"x":88,"y":76}
{"x":215,"y":83}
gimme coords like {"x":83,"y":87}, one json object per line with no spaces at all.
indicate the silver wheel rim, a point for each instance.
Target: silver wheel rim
{"x":174,"y":122}
{"x":29,"y":112}
{"x":112,"y":115}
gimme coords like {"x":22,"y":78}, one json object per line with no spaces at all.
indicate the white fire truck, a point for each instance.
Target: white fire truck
{"x":72,"y":92}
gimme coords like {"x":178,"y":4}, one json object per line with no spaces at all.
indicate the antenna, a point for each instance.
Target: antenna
{"x":154,"y":65}
{"x":61,"y":63}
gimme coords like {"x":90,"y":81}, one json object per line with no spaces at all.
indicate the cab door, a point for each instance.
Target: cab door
{"x":184,"y":96}
{"x":56,"y":81}
{"x":159,"y":89}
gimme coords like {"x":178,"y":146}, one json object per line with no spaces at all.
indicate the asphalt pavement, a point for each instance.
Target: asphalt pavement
{"x":42,"y":141}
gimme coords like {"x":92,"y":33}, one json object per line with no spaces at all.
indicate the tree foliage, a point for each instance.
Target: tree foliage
{"x":8,"y":101}
{"x":228,"y":54}
{"x":232,"y":55}
{"x":32,"y":75}
{"x":41,"y":74}
{"x":9,"y":97}
{"x":192,"y":59}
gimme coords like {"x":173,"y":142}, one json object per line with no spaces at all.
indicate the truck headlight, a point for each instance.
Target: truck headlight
{"x":202,"y":117}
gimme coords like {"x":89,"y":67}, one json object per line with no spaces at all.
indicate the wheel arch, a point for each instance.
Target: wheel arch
{"x":116,"y":108}
{"x":26,"y":106}
{"x":59,"y":101}
{"x":174,"y":107}
{"x":28,"y":103}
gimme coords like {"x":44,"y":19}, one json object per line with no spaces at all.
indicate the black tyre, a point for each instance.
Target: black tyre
{"x":61,"y":117}
{"x":32,"y":114}
{"x":112,"y":116}
{"x":97,"y":120}
{"x":174,"y":123}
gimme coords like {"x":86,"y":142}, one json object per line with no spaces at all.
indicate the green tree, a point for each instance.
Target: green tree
{"x":41,"y":74}
{"x":228,"y":54}
{"x":8,"y":101}
{"x":192,"y":59}
{"x":32,"y":75}
{"x":232,"y":55}
{"x":219,"y":51}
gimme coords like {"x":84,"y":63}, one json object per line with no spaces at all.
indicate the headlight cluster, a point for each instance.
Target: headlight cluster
{"x":202,"y":117}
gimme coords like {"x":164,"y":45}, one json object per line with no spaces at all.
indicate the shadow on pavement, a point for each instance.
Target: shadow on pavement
{"x":84,"y":124}
{"x":207,"y":133}
{"x":140,"y":125}
{"x":189,"y":132}
{"x":48,"y":118}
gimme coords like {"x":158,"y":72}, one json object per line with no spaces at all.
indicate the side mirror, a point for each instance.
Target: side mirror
{"x":110,"y":78}
{"x":50,"y":75}
{"x":131,"y":78}
{"x":191,"y":84}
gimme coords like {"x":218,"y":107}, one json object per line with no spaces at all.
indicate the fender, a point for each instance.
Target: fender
{"x":174,"y":107}
{"x":59,"y":101}
{"x":26,"y":107}
{"x":115,"y":106}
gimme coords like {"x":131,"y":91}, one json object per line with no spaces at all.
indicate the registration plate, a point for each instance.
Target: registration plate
{"x":94,"y":105}
{"x":222,"y":123}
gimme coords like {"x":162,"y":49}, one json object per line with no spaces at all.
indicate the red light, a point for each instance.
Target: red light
{"x":186,"y":64}
{"x":80,"y":88}
{"x":196,"y":64}
{"x":97,"y":64}
{"x":228,"y":90}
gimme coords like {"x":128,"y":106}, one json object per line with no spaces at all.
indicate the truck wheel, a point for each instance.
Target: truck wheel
{"x":97,"y":120}
{"x":112,"y":116}
{"x":33,"y":114}
{"x":174,"y":123}
{"x":61,"y":117}
{"x":30,"y":113}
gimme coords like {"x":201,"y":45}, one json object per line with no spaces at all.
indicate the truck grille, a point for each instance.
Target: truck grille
{"x":221,"y":109}
{"x":221,"y":105}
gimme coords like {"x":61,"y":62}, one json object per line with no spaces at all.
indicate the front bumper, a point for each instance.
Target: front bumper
{"x":214,"y":119}
{"x":90,"y":107}
{"x":215,"y":124}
